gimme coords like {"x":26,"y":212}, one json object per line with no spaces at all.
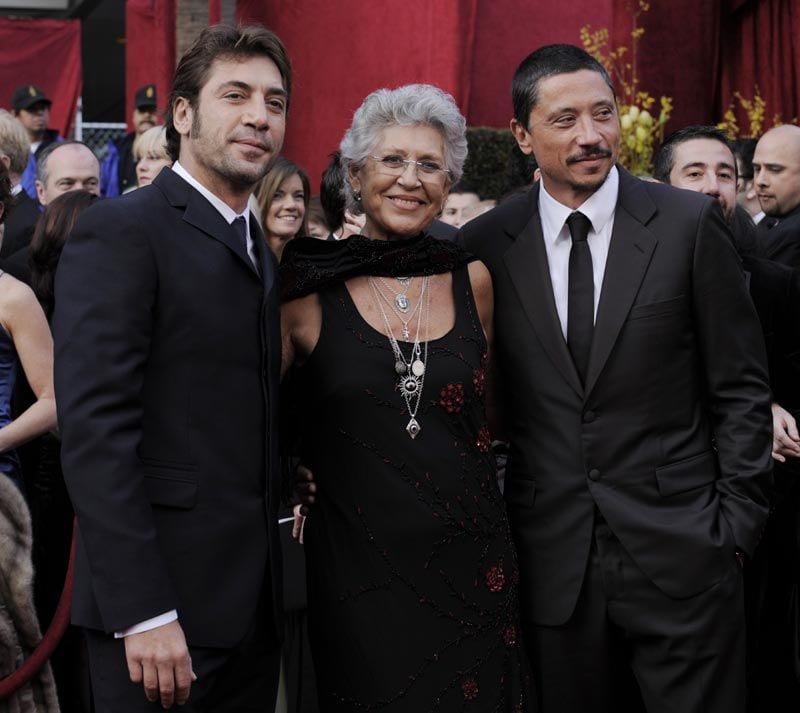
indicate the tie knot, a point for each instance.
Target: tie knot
{"x":579,"y":226}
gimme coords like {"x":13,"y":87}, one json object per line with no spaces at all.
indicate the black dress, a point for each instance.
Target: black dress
{"x":412,"y":574}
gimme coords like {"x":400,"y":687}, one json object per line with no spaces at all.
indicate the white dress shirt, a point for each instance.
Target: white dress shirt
{"x":229,"y":214}
{"x":599,"y":208}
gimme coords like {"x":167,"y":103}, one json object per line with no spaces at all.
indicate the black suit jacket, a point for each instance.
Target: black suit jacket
{"x":20,"y":224}
{"x":167,"y":366}
{"x":782,"y":241}
{"x":671,"y":437}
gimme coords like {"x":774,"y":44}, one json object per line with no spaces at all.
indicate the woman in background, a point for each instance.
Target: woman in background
{"x":150,"y":154}
{"x":283,"y":196}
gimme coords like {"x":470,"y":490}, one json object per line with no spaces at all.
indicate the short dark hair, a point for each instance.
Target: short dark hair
{"x":464,"y":187}
{"x":665,"y":156}
{"x":221,"y":42}
{"x":547,"y":62}
{"x":331,"y":193}
{"x":43,"y":158}
{"x":744,"y":150}
{"x":52,"y":231}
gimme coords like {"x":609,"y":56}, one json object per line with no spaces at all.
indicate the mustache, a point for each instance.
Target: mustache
{"x":590,"y":153}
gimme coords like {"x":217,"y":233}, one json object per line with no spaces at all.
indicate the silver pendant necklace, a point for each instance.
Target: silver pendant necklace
{"x":401,"y":300}
{"x":402,"y":314}
{"x":410,"y":372}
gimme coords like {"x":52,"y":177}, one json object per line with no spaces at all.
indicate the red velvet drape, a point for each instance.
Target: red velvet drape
{"x":46,"y":53}
{"x":761,"y":46}
{"x":696,"y":52}
{"x":149,"y":49}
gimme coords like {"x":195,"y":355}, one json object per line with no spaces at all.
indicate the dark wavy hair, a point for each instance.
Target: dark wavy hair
{"x":52,"y":231}
{"x":221,"y":42}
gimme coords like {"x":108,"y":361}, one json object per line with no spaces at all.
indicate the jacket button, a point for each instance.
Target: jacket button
{"x":594,"y":474}
{"x":589,"y":416}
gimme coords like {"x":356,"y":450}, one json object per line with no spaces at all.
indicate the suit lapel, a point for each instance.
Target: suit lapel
{"x":265,"y":258}
{"x":632,"y":246}
{"x":526,"y":262}
{"x":200,"y":214}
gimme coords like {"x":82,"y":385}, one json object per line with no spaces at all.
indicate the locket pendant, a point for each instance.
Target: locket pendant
{"x":402,"y":303}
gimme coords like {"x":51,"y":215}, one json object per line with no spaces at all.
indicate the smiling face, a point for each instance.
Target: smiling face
{"x":287,"y":209}
{"x":706,"y":166}
{"x":236,"y":128}
{"x":401,"y":206}
{"x":573,"y":132}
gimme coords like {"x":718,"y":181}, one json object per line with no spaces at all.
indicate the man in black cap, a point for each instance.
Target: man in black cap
{"x":31,"y":106}
{"x":118,"y":174}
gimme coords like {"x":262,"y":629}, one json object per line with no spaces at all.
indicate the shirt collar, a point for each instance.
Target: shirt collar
{"x":228,"y":213}
{"x":598,"y":208}
{"x":16,"y":190}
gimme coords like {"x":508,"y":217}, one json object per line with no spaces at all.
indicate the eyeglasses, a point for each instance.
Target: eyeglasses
{"x":427,"y":171}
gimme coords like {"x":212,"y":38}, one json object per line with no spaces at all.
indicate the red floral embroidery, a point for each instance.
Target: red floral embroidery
{"x":510,"y":636}
{"x":470,"y":689}
{"x":495,"y":578}
{"x":479,"y":381}
{"x":484,"y":440}
{"x":451,"y":397}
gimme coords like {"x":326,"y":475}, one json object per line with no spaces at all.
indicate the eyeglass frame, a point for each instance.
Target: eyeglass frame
{"x":419,"y":171}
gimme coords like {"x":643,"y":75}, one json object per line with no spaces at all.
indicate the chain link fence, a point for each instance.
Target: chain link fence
{"x":97,"y":134}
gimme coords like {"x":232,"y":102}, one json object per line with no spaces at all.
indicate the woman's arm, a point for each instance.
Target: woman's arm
{"x":23,"y":319}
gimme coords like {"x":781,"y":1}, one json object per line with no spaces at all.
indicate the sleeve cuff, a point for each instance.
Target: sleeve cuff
{"x":156,"y":621}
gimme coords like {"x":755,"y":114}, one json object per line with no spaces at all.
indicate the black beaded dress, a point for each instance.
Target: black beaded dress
{"x":412,"y":574}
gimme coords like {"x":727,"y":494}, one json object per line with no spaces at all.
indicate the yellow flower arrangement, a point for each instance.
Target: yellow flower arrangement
{"x":755,"y":110}
{"x":642,"y":127}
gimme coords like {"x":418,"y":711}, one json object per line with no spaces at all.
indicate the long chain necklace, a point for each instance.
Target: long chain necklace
{"x":401,"y":300}
{"x":410,"y":372}
{"x":401,"y":313}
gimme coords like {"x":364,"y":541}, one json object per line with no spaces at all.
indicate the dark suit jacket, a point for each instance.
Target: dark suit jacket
{"x":167,"y":365}
{"x":671,"y":437}
{"x":20,"y":224}
{"x":18,"y":264}
{"x":782,"y":242}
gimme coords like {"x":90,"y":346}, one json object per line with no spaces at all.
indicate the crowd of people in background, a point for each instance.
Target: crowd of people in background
{"x":561,"y":477}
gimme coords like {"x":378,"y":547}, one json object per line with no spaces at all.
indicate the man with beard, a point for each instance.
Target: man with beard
{"x":168,"y":357}
{"x":118,"y":174}
{"x":776,"y":164}
{"x":632,"y":383}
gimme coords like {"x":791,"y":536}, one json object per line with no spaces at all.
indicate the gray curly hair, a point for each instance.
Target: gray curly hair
{"x":410,"y":105}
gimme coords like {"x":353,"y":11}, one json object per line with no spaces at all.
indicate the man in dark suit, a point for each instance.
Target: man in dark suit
{"x":167,"y":367}
{"x":635,"y":397}
{"x":776,"y":163}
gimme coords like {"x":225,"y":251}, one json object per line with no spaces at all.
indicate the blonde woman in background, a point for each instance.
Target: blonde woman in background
{"x":150,"y":154}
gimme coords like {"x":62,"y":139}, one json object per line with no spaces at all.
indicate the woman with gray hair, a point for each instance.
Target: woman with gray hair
{"x":412,"y":575}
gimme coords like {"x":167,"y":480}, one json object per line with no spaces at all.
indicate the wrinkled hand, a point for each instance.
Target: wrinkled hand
{"x":304,"y":489}
{"x":159,"y":659}
{"x":785,"y":437}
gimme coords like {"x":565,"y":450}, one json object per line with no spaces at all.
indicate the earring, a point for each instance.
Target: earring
{"x":357,"y":196}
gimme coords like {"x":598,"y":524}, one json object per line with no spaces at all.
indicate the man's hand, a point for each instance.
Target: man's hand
{"x":304,"y":490}
{"x":159,"y":658}
{"x":785,"y":437}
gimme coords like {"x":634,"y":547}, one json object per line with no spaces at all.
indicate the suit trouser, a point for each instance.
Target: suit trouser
{"x":243,"y":679}
{"x":685,"y":655}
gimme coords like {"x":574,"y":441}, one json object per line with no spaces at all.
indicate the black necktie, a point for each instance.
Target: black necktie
{"x":240,"y":227}
{"x":580,"y":306}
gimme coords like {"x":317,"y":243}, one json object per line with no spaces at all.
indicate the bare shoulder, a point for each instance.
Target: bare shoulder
{"x":300,"y":309}
{"x":15,"y":293}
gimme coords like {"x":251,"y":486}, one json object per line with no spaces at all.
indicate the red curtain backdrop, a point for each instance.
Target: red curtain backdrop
{"x":761,"y":46}
{"x":149,"y":49}
{"x":46,"y":53}
{"x":696,"y":52}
